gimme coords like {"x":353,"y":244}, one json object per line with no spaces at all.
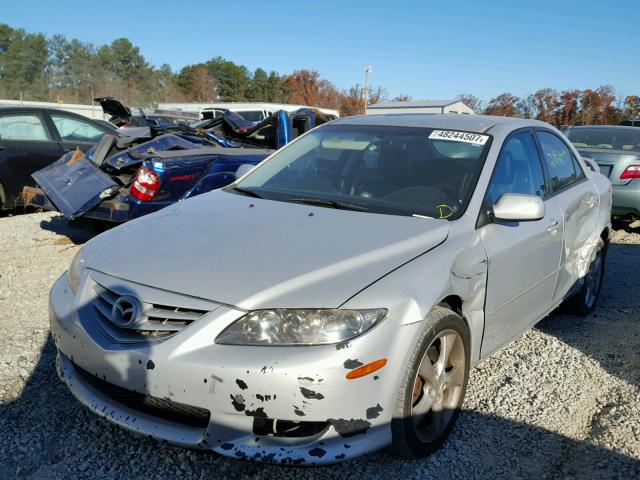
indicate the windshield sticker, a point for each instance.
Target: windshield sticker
{"x":466,"y":137}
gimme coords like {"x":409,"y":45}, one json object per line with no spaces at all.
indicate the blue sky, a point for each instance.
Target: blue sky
{"x":424,"y":48}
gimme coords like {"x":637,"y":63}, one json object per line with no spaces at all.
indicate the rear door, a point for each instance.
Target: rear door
{"x":579,"y":202}
{"x":26,"y":145}
{"x":523,"y":256}
{"x":75,"y":133}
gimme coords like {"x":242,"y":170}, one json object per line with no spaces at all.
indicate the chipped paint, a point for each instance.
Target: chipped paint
{"x":306,"y":393}
{"x":238,"y":402}
{"x":349,"y":428}
{"x":241,"y":384}
{"x":258,"y":412}
{"x":350,"y":364}
{"x":374,"y":412}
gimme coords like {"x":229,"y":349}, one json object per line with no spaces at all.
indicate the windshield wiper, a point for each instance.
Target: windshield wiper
{"x":321,"y":202}
{"x":246,"y":191}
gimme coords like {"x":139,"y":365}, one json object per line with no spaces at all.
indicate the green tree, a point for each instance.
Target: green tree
{"x":233,"y":80}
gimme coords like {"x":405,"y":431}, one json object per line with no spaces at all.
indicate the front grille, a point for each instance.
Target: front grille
{"x":157,"y":407}
{"x":154,"y":322}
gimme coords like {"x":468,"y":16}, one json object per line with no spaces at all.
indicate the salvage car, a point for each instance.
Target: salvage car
{"x":333,"y":300}
{"x":125,"y":177}
{"x":32,"y":138}
{"x":616,"y":150}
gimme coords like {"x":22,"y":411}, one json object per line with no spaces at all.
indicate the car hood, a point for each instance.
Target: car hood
{"x":253,"y":253}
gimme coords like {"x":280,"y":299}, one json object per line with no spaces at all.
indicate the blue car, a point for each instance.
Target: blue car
{"x":125,"y":177}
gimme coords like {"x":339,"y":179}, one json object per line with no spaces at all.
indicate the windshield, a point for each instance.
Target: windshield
{"x":607,"y":138}
{"x":394,"y":170}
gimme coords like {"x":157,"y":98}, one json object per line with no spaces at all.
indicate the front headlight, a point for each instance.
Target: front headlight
{"x":76,"y":270}
{"x":300,"y":326}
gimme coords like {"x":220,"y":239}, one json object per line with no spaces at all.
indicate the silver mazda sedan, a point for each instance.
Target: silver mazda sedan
{"x":331,"y":301}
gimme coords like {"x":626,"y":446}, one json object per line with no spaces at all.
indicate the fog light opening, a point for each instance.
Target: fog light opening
{"x":287,"y":428}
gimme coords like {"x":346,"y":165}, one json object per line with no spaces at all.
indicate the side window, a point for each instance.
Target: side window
{"x":576,"y":166}
{"x":22,"y":127}
{"x":74,"y":130}
{"x":563,"y":169}
{"x":518,"y":169}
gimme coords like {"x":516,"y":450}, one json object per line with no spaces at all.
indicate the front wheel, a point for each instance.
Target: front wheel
{"x":433,"y":387}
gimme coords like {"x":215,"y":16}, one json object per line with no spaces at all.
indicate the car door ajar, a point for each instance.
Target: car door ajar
{"x":579,"y":201}
{"x":523,"y":257}
{"x":26,"y":145}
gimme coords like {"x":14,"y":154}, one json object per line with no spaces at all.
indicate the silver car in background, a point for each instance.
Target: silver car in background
{"x":616,"y":150}
{"x":332,"y":300}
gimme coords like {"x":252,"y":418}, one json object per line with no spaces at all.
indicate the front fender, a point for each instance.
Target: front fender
{"x":457,"y":267}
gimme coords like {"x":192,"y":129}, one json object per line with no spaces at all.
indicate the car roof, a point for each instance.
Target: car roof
{"x":29,"y":108}
{"x":605,"y":127}
{"x":470,"y":123}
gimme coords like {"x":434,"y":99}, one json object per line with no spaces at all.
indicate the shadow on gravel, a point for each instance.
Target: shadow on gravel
{"x":46,"y":433}
{"x":78,"y":231}
{"x":610,"y":335}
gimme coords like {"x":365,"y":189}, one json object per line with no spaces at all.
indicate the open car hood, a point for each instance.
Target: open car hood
{"x":255,"y":253}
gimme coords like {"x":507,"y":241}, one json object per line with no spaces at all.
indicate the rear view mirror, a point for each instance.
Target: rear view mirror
{"x":244,"y":169}
{"x":517,"y":207}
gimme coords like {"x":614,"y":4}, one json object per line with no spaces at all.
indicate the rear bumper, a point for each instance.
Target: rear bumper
{"x":119,"y":209}
{"x":626,"y":199}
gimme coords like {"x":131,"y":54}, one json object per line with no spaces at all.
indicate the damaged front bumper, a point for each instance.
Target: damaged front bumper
{"x":287,"y":405}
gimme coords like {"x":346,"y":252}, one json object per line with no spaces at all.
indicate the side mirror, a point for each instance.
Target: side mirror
{"x":244,"y":169}
{"x":517,"y":207}
{"x":591,"y":163}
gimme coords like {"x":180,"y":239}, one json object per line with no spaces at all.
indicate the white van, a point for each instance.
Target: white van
{"x":254,"y":112}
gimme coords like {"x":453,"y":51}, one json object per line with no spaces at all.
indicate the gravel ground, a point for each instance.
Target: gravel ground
{"x":561,"y":402}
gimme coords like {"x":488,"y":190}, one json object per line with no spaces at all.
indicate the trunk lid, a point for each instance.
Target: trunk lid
{"x":612,"y":162}
{"x":74,"y":185}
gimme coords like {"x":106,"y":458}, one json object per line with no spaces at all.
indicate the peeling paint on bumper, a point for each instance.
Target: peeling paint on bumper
{"x":237,"y":384}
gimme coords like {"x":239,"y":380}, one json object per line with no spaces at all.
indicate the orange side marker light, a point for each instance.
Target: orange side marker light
{"x":366,"y":369}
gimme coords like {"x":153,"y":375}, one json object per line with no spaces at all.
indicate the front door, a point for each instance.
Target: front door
{"x":25,"y":147}
{"x":523,"y":257}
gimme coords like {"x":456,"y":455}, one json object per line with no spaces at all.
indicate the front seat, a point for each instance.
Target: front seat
{"x":394,"y":173}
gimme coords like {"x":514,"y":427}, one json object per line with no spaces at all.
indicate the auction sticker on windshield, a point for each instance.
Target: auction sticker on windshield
{"x":466,"y":137}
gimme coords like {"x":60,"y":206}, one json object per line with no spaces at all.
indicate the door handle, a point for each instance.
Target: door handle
{"x":553,"y":227}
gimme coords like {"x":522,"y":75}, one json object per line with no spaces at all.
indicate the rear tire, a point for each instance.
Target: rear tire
{"x":585,"y":300}
{"x":433,"y":387}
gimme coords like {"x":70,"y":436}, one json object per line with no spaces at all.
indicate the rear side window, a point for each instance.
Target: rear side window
{"x":22,"y":127}
{"x":563,"y":169}
{"x":518,"y":169}
{"x":74,"y":130}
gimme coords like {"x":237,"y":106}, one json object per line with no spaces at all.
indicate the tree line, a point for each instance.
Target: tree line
{"x":36,"y":67}
{"x":598,"y":106}
{"x":56,"y":69}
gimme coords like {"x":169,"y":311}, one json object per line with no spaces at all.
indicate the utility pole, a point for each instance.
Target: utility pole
{"x":367,"y":69}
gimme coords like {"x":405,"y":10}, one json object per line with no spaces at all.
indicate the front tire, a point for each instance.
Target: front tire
{"x":434,"y":386}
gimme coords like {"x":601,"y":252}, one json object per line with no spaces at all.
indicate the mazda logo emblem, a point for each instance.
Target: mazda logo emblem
{"x":125,"y":311}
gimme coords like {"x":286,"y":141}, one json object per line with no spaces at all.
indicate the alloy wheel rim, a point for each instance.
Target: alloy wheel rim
{"x":437,"y":386}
